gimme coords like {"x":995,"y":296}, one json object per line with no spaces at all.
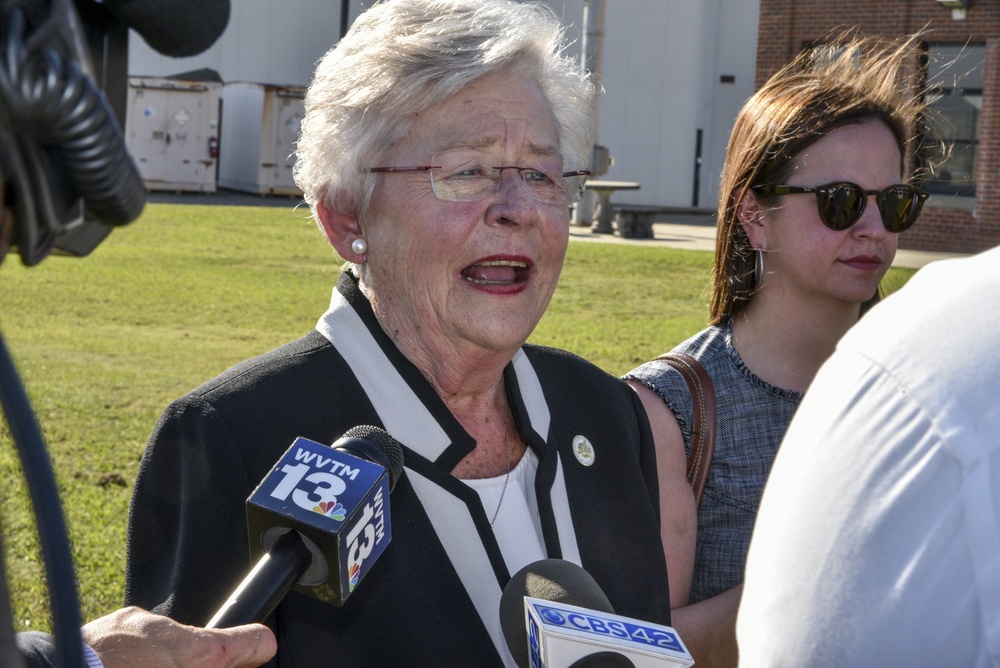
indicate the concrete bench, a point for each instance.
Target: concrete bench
{"x":636,"y":221}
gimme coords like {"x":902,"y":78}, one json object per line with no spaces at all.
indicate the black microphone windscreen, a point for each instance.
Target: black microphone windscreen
{"x":178,"y":28}
{"x":383,"y":444}
{"x":603,"y":660}
{"x":555,"y":580}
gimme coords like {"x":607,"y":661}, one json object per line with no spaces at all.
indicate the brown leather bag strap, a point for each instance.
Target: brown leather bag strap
{"x":703,"y":421}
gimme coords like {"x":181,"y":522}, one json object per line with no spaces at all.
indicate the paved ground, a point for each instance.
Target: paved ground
{"x":694,"y":230}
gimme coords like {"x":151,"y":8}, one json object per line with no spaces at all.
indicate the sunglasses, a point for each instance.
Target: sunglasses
{"x":841,"y":204}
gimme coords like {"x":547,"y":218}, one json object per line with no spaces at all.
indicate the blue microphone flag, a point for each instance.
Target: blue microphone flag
{"x":560,"y":634}
{"x":339,"y":504}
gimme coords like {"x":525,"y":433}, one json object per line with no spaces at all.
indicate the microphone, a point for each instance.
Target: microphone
{"x":553,"y":613}
{"x":178,"y":28}
{"x":317,"y":522}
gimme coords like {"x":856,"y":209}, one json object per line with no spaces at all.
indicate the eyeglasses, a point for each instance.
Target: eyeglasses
{"x":841,"y":204}
{"x":468,"y":176}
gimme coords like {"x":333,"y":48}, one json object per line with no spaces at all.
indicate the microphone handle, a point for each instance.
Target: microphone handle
{"x":261,"y":591}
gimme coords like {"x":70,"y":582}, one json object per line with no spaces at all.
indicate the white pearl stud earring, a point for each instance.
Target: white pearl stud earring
{"x":359,"y":246}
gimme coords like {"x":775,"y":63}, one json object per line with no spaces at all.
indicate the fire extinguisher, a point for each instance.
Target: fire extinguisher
{"x":213,"y":147}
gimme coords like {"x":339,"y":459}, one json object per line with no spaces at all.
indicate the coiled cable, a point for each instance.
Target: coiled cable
{"x":67,"y":133}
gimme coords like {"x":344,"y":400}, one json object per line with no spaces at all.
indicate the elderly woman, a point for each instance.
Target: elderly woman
{"x":440,"y":151}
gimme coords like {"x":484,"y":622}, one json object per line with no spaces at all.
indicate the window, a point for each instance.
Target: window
{"x":954,"y":99}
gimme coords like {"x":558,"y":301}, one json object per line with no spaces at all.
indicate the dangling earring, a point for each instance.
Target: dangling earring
{"x":359,"y":246}
{"x":758,"y":268}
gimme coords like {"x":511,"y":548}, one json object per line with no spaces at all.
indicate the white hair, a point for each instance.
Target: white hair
{"x":402,"y":57}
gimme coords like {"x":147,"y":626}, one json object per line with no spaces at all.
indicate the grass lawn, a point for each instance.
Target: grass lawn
{"x":104,"y":343}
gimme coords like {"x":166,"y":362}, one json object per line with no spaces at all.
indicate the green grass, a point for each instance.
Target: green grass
{"x":620,"y":305}
{"x":104,"y":343}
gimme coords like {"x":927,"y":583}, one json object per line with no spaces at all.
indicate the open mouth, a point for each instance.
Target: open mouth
{"x":496,"y":272}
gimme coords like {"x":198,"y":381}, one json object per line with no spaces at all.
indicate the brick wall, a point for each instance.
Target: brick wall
{"x":786,"y":26}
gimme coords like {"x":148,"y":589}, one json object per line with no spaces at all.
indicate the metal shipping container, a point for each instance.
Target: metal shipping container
{"x":171,"y":129}
{"x":260,"y":125}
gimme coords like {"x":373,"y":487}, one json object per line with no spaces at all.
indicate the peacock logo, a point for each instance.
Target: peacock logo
{"x":332,"y":509}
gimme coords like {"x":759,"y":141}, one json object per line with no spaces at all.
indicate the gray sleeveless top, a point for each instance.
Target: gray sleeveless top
{"x":752,"y":419}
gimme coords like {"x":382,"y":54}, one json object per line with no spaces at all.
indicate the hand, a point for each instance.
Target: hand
{"x":135,"y":638}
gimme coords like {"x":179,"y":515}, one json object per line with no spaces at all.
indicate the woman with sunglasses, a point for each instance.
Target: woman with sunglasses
{"x":812,"y":200}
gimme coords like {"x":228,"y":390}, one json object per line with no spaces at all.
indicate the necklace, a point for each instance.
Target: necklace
{"x":506,"y":442}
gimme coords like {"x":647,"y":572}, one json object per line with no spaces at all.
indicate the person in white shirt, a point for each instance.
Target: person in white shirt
{"x":878,"y":537}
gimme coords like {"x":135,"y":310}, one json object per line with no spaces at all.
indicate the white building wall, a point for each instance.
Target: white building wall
{"x":732,"y":35}
{"x":662,"y":70}
{"x":266,"y":41}
{"x":650,"y":111}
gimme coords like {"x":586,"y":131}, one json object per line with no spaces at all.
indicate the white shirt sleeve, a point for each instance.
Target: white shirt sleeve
{"x":877,"y":540}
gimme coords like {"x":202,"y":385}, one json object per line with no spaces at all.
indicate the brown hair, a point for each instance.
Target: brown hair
{"x":847,"y":80}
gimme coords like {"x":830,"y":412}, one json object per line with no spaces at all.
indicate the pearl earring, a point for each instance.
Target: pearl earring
{"x":359,"y":246}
